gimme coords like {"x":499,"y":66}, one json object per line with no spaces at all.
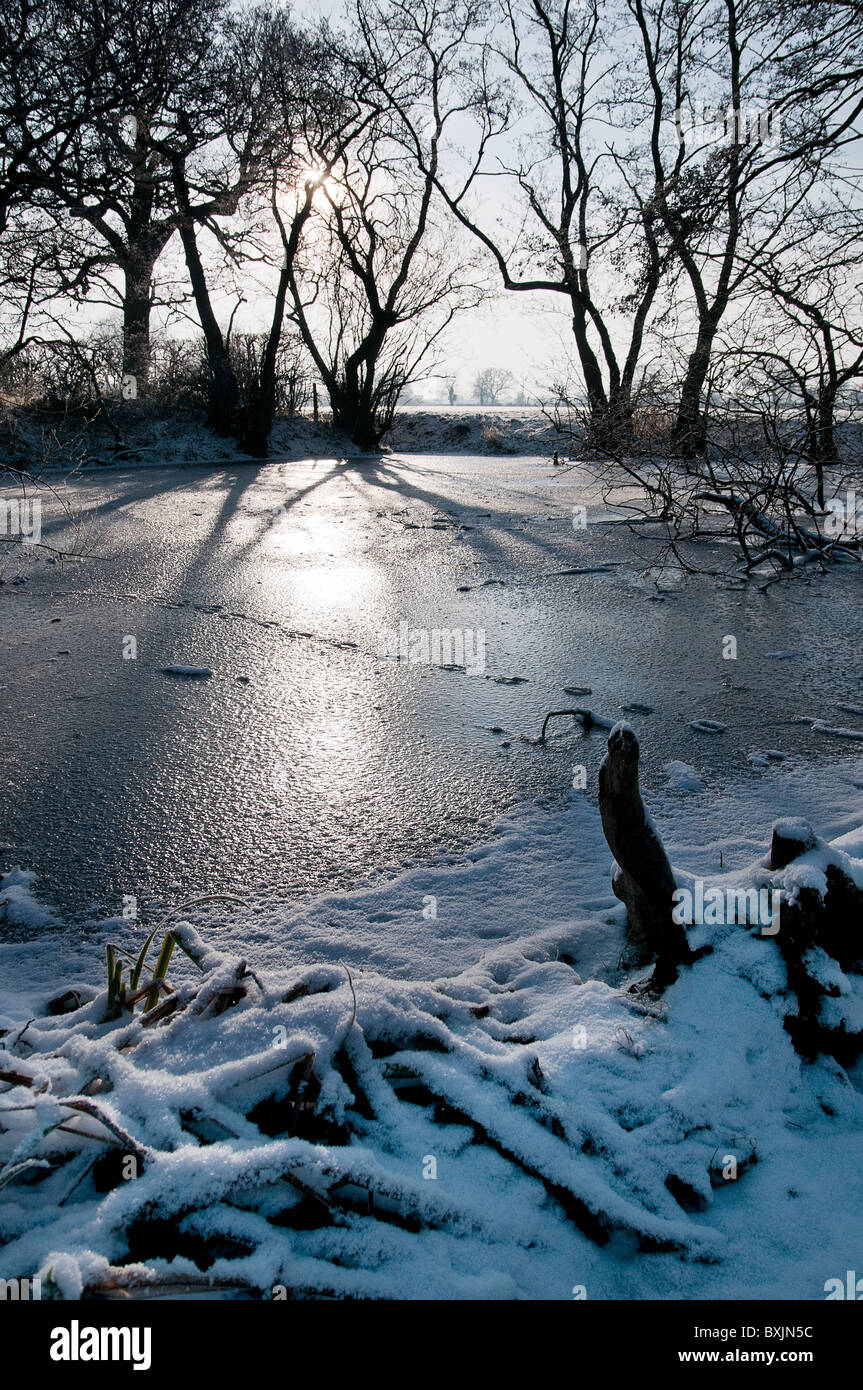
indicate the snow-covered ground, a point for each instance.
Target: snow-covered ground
{"x":526,"y":1126}
{"x":144,"y":436}
{"x":475,"y":430}
{"x":605,"y":1124}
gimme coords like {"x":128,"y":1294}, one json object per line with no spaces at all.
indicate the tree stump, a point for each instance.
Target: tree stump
{"x":810,"y":920}
{"x":642,"y":877}
{"x":790,"y":839}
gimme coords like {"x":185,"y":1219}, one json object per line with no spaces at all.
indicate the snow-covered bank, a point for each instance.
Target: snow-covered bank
{"x":138,"y":435}
{"x":523,"y":431}
{"x":519,"y":1127}
{"x":147,"y":436}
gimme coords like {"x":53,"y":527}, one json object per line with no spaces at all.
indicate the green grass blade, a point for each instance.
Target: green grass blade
{"x":161,"y":969}
{"x":135,"y":976}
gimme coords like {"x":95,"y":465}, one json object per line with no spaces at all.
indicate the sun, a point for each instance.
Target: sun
{"x":314,"y":177}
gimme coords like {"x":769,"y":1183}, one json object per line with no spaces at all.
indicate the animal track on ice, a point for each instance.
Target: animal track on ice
{"x":770,"y":755}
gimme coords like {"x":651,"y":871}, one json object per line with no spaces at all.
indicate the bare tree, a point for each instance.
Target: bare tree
{"x":263,"y":71}
{"x":382,"y":282}
{"x":812,"y":307}
{"x":369,"y":276}
{"x":724,"y":195}
{"x":155,"y":58}
{"x":42,"y":114}
{"x":535,"y":78}
{"x":319,"y":108}
{"x":489,"y":384}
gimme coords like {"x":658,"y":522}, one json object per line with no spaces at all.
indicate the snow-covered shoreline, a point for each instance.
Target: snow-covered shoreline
{"x":616,"y":1097}
{"x":160,"y":436}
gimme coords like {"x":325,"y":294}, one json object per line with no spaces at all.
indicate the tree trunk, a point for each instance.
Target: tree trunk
{"x":690,"y":429}
{"x":259,"y":422}
{"x":262,"y":409}
{"x":224,"y":395}
{"x":643,"y":878}
{"x":352,"y":397}
{"x":826,"y":452}
{"x":597,"y":400}
{"x":223,"y":392}
{"x":353,"y":415}
{"x":138,"y":277}
{"x":611,"y":425}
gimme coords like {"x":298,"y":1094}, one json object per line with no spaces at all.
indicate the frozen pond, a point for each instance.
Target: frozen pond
{"x":309,"y":759}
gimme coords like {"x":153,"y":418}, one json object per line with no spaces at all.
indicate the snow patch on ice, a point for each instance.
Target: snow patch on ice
{"x":18,"y":905}
{"x":682,"y":777}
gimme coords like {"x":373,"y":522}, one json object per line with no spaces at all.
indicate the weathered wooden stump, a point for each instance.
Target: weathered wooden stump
{"x":790,"y":839}
{"x":643,"y":878}
{"x":831,"y":920}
